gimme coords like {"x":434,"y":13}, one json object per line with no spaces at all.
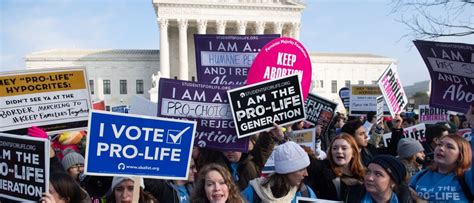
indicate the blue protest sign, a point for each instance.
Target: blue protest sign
{"x":120,"y":109}
{"x":120,"y":144}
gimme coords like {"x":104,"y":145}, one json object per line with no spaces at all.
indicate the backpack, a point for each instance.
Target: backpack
{"x":303,"y":189}
{"x":461,"y":180}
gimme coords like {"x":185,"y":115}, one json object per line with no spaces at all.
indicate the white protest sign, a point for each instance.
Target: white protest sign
{"x":392,"y":90}
{"x":431,"y":115}
{"x":56,"y":100}
{"x":363,"y":100}
{"x":379,"y":113}
{"x":416,"y":132}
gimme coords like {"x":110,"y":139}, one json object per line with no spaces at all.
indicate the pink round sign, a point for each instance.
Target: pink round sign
{"x":281,"y":57}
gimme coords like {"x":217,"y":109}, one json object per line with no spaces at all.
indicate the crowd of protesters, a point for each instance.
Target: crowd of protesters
{"x":350,"y":164}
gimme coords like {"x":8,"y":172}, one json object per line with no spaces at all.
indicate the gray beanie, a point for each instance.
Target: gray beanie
{"x":119,"y":179}
{"x":290,"y":157}
{"x":408,"y":147}
{"x":71,"y":158}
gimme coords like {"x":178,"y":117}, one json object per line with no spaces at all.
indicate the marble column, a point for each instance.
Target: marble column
{"x":183,"y":49}
{"x":278,"y":28}
{"x":241,"y":27}
{"x":164,"y":48}
{"x":201,"y":26}
{"x":260,"y":27}
{"x":221,"y":26}
{"x":295,"y":30}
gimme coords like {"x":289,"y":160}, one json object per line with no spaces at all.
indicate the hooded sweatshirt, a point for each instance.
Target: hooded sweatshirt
{"x":266,"y":194}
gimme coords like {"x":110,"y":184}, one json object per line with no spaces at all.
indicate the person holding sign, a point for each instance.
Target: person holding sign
{"x":450,"y":177}
{"x":333,"y":177}
{"x":214,"y":185}
{"x":122,"y":191}
{"x":384,"y":182}
{"x":286,"y":183}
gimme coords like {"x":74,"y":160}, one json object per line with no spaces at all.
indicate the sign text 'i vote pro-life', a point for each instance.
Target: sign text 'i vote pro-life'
{"x":122,"y":144}
{"x":256,"y":107}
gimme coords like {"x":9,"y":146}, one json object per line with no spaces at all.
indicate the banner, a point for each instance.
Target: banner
{"x":120,"y":109}
{"x":226,"y":59}
{"x":208,"y":105}
{"x":24,"y":167}
{"x":392,"y":90}
{"x":379,"y":113}
{"x":279,"y":58}
{"x":363,"y":99}
{"x":345,"y":95}
{"x":416,"y":132}
{"x":451,"y":68}
{"x":320,"y":111}
{"x":306,"y":137}
{"x":131,"y":145}
{"x":430,"y":115}
{"x":56,"y":100}
{"x":256,"y":107}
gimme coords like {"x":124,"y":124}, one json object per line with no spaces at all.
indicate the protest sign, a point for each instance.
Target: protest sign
{"x":256,"y":107}
{"x":451,"y":68}
{"x":24,"y":167}
{"x":269,"y":166}
{"x":306,"y":137}
{"x":379,"y":113}
{"x":142,"y":106}
{"x":392,"y":90}
{"x":416,"y":132}
{"x":344,"y":94}
{"x":429,"y":115}
{"x":363,"y":99}
{"x":208,"y":105}
{"x":225,"y":59}
{"x":133,"y":145}
{"x":279,"y":58}
{"x":100,"y":105}
{"x":466,"y":133}
{"x":120,"y":109}
{"x":320,"y":111}
{"x":410,"y":107}
{"x":314,"y":200}
{"x":56,"y":100}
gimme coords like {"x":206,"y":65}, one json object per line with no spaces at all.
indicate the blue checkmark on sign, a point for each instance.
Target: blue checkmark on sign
{"x":175,"y":136}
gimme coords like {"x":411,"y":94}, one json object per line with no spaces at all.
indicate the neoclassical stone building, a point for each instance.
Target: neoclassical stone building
{"x":179,"y":20}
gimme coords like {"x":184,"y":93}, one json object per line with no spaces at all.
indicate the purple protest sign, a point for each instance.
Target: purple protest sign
{"x":225,"y":59}
{"x":208,"y":105}
{"x":451,"y":67}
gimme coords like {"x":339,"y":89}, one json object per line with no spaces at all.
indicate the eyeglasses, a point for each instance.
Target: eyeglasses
{"x":77,"y":166}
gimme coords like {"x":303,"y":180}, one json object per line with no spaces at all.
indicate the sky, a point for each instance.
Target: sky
{"x":337,"y":26}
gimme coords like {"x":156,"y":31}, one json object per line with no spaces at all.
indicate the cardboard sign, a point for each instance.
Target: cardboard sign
{"x":56,"y":100}
{"x":306,"y":137}
{"x":320,"y":111}
{"x":451,"y":68}
{"x":392,"y":90}
{"x":416,"y":132}
{"x":24,"y":167}
{"x":430,"y":115}
{"x":363,"y":99}
{"x":345,"y":95}
{"x":379,"y":113}
{"x":133,"y":145}
{"x":279,"y":58}
{"x":256,"y":107}
{"x":226,"y":59}
{"x":208,"y":105}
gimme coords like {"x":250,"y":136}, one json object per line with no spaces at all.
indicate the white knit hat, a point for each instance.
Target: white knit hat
{"x":290,"y":157}
{"x":119,"y":179}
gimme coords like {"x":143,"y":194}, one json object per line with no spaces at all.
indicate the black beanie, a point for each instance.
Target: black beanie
{"x":397,"y":170}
